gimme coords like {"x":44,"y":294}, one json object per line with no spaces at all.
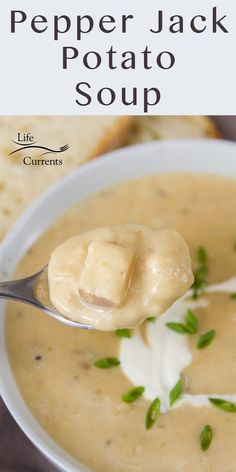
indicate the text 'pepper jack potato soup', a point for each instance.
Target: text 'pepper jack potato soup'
{"x":160,"y":397}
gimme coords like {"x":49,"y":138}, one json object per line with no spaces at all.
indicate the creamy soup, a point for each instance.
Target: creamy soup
{"x":115,"y":277}
{"x":179,"y":360}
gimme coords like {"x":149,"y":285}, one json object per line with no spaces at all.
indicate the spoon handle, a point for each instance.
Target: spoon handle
{"x":18,"y":289}
{"x":34,"y":290}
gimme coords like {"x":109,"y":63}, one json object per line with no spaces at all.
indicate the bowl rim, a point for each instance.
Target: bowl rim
{"x":130,"y":162}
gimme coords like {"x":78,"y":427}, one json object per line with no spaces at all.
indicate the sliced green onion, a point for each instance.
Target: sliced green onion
{"x":223,"y":404}
{"x":189,"y":327}
{"x":133,"y":394}
{"x":206,"y":437}
{"x":191,"y":321}
{"x":202,"y":255}
{"x":153,"y":413}
{"x":176,"y":391}
{"x":200,"y":274}
{"x":124,"y":333}
{"x":205,"y":339}
{"x":107,"y":362}
{"x":179,"y":327}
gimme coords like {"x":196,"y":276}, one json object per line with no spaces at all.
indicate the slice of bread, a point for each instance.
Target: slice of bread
{"x":148,"y":128}
{"x":86,"y":136}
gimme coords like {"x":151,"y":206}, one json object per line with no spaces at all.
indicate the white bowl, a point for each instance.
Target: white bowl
{"x":194,"y":156}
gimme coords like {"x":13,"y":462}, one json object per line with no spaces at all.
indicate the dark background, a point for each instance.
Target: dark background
{"x":17,"y":454}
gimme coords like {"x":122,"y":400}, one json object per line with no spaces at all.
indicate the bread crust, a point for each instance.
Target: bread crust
{"x":19,"y":184}
{"x":147,"y":128}
{"x":115,"y":137}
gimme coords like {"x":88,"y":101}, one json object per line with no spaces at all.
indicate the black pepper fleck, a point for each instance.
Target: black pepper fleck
{"x":38,"y":358}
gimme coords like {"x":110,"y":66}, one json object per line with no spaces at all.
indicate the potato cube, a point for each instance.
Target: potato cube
{"x":106,"y":275}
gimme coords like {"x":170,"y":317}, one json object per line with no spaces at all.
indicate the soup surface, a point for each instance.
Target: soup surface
{"x":79,"y":404}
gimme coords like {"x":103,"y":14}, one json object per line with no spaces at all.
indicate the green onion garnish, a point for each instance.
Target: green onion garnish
{"x":205,"y":339}
{"x":189,"y":327}
{"x":202,"y":255}
{"x":206,"y":437}
{"x":133,"y":394}
{"x":223,"y":404}
{"x":233,"y":296}
{"x":151,"y":319}
{"x":107,"y":362}
{"x":178,"y":327}
{"x":153,"y":413}
{"x":200,"y":274}
{"x":176,"y":392}
{"x":191,"y":321}
{"x":124,"y":333}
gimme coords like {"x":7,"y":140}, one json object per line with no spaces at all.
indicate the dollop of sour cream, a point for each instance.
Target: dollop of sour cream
{"x":157,"y":359}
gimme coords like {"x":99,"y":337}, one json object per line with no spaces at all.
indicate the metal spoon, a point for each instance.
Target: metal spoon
{"x":34,"y":291}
